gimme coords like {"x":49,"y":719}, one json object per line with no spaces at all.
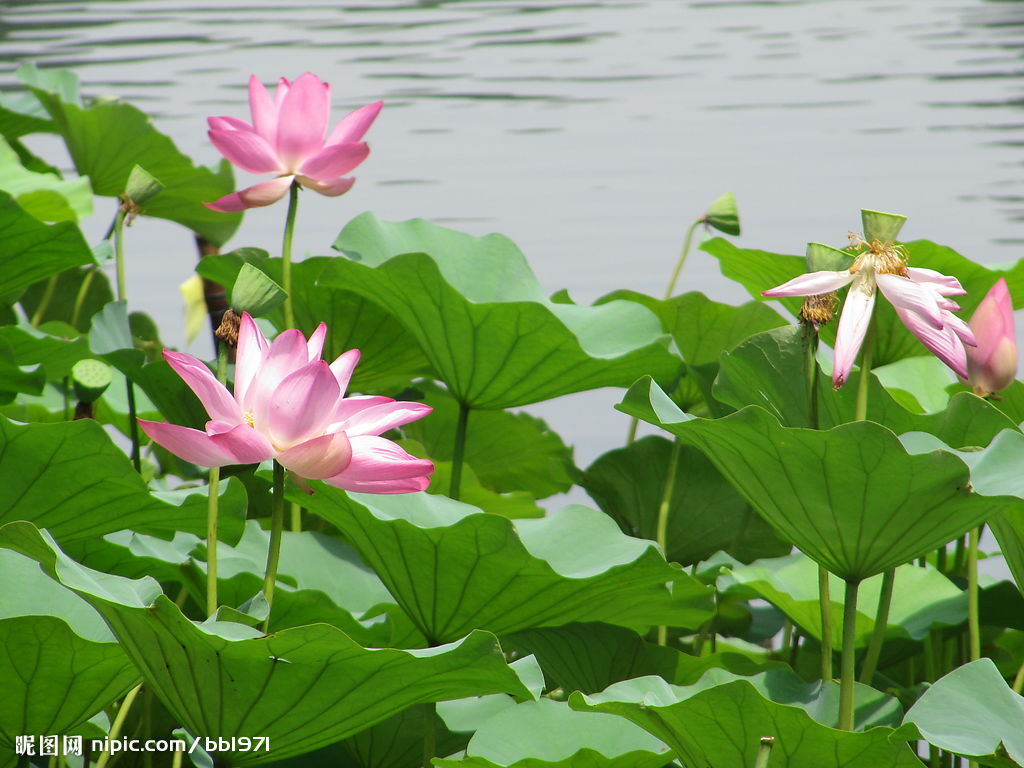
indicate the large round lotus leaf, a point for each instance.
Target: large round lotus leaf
{"x":851,"y":497}
{"x":478,"y":314}
{"x":454,"y":568}
{"x":719,"y":722}
{"x":547,"y":734}
{"x":303,"y":688}
{"x":60,"y":663}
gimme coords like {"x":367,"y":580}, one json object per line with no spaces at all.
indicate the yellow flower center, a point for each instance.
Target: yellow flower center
{"x":249,"y":420}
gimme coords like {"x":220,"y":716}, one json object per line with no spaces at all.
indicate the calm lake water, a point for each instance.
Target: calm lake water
{"x":591,"y":133}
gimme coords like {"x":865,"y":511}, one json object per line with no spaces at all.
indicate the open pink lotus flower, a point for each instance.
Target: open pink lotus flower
{"x":992,"y":364}
{"x":287,"y":138}
{"x":289,"y":405}
{"x":919,"y":296}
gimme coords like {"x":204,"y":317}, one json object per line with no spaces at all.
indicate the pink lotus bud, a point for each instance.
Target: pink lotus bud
{"x":992,"y":365}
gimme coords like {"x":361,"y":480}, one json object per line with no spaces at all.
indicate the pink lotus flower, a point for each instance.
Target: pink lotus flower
{"x":287,"y":138}
{"x":919,"y":296}
{"x":289,"y":405}
{"x":992,"y":365}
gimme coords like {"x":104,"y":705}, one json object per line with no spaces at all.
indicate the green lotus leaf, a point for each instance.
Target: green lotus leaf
{"x":705,"y":514}
{"x":33,"y":250}
{"x":60,"y":663}
{"x":134,"y":555}
{"x":390,"y":357}
{"x":71,"y":479}
{"x":108,"y":139}
{"x":55,"y":352}
{"x":303,"y":688}
{"x":971,"y":712}
{"x":923,"y":599}
{"x":851,"y":497}
{"x":478,"y":314}
{"x":546,"y":734}
{"x":507,"y":451}
{"x":758,"y":271}
{"x":44,"y":195}
{"x":63,"y":298}
{"x":454,"y":568}
{"x":720,"y":721}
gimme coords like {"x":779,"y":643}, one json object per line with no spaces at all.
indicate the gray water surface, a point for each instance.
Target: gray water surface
{"x":591,"y":133}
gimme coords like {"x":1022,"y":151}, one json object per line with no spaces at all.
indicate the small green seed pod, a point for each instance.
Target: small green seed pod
{"x":90,"y":378}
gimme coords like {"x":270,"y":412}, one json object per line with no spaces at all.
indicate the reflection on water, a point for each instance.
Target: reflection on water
{"x":590,"y":132}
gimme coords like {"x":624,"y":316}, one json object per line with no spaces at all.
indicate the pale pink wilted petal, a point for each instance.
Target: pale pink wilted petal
{"x":853,"y":325}
{"x":331,"y":162}
{"x":301,"y":405}
{"x":947,"y":285}
{"x":378,"y":419}
{"x":318,"y":458}
{"x":189,"y":444}
{"x":904,"y":293}
{"x":355,"y":124}
{"x":961,"y":329}
{"x":332,"y":188}
{"x":941,"y":342}
{"x":263,"y":110}
{"x":992,"y":364}
{"x":302,"y":121}
{"x":246,"y":149}
{"x":252,"y":350}
{"x":244,"y":444}
{"x":375,"y":459}
{"x":214,"y":396}
{"x":343,"y":366}
{"x":315,"y":345}
{"x":812,"y":284}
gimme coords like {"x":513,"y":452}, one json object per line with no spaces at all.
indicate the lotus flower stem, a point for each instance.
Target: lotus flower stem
{"x":83,"y":291}
{"x":133,"y":425}
{"x":44,"y":302}
{"x":973,"y":626}
{"x":849,"y":656}
{"x":211,"y":507}
{"x":429,"y":735}
{"x":1018,"y":681}
{"x":286,"y":254}
{"x":274,"y":551}
{"x":682,"y":256}
{"x":663,"y":510}
{"x":459,"y":451}
{"x":115,"y":728}
{"x":867,"y":672}
{"x":825,"y":603}
{"x":764,"y":751}
{"x":861,"y":407}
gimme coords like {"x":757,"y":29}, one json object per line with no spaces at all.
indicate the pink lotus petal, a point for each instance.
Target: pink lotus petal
{"x":256,"y":196}
{"x":812,"y":284}
{"x":947,"y":285}
{"x":287,"y":354}
{"x":319,"y":457}
{"x":332,"y":162}
{"x":315,"y":345}
{"x":327,"y":188}
{"x":355,"y":124}
{"x":407,"y":485}
{"x":252,"y":350}
{"x":961,"y":329}
{"x":347,"y":407}
{"x":343,"y":366}
{"x":244,"y":444}
{"x":378,"y":419}
{"x":189,"y":444}
{"x":229,"y":124}
{"x":904,"y":293}
{"x":853,"y":324}
{"x":263,"y":110}
{"x":248,"y":150}
{"x":301,"y":405}
{"x":302,"y":121}
{"x":992,"y":365}
{"x":375,"y":459}
{"x":283,"y":86}
{"x":214,"y":396}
